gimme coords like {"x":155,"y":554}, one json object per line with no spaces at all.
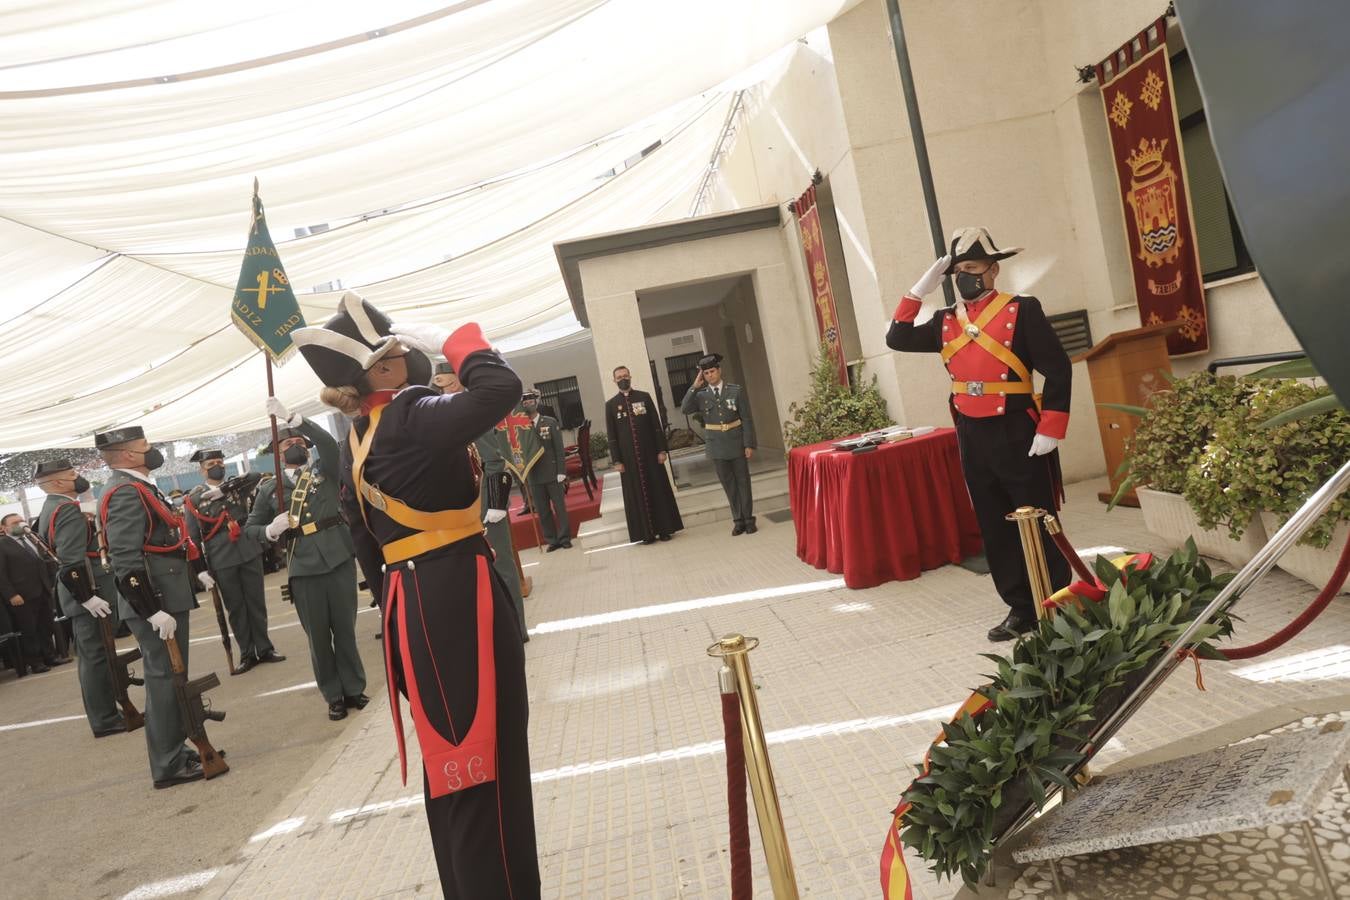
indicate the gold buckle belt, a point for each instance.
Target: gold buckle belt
{"x":426,"y":541}
{"x":725,"y":426}
{"x":983,"y":388}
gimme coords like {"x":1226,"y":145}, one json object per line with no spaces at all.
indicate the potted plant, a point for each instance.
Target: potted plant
{"x":833,"y":410}
{"x":1076,"y":669}
{"x":1175,"y":429}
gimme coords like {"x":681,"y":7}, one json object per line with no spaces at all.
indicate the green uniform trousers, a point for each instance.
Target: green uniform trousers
{"x":504,"y":564}
{"x":165,"y":730}
{"x":735,"y":477}
{"x":91,"y":665}
{"x":551,"y":505}
{"x":326,"y":605}
{"x":241,"y":590}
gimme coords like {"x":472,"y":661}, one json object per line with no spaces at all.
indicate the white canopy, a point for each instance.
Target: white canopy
{"x":426,"y":156}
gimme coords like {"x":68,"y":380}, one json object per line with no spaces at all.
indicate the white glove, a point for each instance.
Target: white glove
{"x":97,"y":606}
{"x":165,"y":625}
{"x":212,"y":493}
{"x":276,"y":408}
{"x":278,"y":526}
{"x":205,"y":579}
{"x":931,"y":279}
{"x":427,"y":338}
{"x":493,"y":516}
{"x":1042,"y":444}
{"x":561,"y":479}
{"x":89,"y":507}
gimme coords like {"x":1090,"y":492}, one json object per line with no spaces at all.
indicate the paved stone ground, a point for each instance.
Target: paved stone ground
{"x":625,"y":722}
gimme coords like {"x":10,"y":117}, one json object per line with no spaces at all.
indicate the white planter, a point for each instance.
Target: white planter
{"x":1171,"y":518}
{"x":1312,"y":565}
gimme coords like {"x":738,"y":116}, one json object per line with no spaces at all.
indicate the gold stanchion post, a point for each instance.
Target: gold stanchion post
{"x":1028,"y":519}
{"x":734,"y":650}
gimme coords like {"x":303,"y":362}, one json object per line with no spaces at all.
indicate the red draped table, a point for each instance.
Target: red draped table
{"x":885,"y":515}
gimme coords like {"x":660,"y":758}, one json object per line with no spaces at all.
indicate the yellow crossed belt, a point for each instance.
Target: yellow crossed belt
{"x":724,"y":426}
{"x":991,"y":346}
{"x":434,"y":529}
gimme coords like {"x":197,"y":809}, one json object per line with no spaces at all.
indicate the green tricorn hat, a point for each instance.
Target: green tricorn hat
{"x":204,"y":455}
{"x":117,"y":436}
{"x":51,"y":467}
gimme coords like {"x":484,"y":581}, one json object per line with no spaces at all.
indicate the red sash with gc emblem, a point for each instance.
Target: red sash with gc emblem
{"x":450,"y":767}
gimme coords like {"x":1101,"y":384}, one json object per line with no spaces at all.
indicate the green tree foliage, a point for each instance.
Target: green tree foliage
{"x":832,"y":410}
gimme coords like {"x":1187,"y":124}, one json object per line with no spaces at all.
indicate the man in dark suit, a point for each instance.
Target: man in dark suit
{"x":26,"y":584}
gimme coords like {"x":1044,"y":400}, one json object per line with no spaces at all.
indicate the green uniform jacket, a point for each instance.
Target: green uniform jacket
{"x":75,"y":543}
{"x":220,"y":551}
{"x":732,"y":405}
{"x":128,"y":524}
{"x":554,"y":461}
{"x":325,"y":550}
{"x":490,"y":454}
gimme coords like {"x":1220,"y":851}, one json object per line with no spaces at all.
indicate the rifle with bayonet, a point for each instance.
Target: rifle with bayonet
{"x":119,"y":663}
{"x":196,"y":714}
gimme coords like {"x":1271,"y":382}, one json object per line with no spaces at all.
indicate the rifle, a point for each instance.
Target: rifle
{"x":119,"y":664}
{"x":119,"y":667}
{"x":195,"y":714}
{"x":224,"y":630}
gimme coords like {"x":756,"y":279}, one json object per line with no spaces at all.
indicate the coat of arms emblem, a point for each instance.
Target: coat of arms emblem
{"x":1153,"y":200}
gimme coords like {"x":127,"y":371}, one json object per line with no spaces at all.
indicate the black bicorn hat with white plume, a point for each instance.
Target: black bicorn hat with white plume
{"x":974,"y":243}
{"x":348,"y":344}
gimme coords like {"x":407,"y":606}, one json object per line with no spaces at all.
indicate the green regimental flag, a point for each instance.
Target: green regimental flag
{"x":264,"y":306}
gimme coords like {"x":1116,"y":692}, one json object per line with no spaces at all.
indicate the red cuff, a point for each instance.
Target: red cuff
{"x":465,"y":340}
{"x":908,"y":310}
{"x":1053,"y":424}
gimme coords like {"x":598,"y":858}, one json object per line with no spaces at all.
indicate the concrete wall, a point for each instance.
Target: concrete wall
{"x":1015,"y":143}
{"x":574,"y":358}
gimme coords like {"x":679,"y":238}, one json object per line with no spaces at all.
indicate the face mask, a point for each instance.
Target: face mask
{"x":16,"y":530}
{"x":529,"y":406}
{"x":81,"y":484}
{"x":153,"y":459}
{"x":215,"y":473}
{"x":295,"y":455}
{"x":970,"y":285}
{"x":625,"y":383}
{"x":419,"y":367}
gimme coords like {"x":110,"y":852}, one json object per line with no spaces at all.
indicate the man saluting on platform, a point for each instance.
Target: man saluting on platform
{"x":1009,"y":436}
{"x":637,"y":445}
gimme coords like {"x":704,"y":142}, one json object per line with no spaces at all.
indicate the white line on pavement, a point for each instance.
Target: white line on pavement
{"x":170,"y":886}
{"x":285,"y":826}
{"x":611,"y":547}
{"x":17,"y":725}
{"x":287,"y":690}
{"x":665,"y":609}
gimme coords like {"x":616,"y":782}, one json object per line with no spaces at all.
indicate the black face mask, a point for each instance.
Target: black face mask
{"x":295,"y":455}
{"x":625,"y":383}
{"x":153,"y":459}
{"x":969,"y":285}
{"x":215,"y":473}
{"x":530,"y":407}
{"x":81,"y":484}
{"x":419,"y":367}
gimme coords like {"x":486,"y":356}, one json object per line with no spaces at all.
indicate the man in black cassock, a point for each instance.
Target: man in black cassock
{"x":637,"y":444}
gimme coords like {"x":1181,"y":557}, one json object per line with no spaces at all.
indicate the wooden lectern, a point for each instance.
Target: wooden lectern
{"x":1125,"y":368}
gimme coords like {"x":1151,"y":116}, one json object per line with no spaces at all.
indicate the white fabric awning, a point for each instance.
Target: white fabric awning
{"x":443,"y":147}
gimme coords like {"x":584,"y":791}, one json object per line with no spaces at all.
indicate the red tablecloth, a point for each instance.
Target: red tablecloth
{"x":886,"y":515}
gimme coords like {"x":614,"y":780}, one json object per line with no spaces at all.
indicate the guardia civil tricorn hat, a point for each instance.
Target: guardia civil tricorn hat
{"x":118,"y":436}
{"x":204,"y":455}
{"x":51,"y":467}
{"x":974,"y":243}
{"x":348,"y":344}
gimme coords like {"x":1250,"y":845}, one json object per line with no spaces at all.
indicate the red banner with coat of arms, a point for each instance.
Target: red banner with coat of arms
{"x":1136,"y":85}
{"x":818,"y":270}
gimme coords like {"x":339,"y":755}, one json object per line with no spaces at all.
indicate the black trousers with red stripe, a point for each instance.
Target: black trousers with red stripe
{"x":1001,"y":477}
{"x":483,"y":836}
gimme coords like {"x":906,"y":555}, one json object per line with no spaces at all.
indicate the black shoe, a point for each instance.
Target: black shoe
{"x":271,"y":656}
{"x":357,"y":702}
{"x":54,"y":661}
{"x":192,"y":771}
{"x":119,"y":728}
{"x":245,"y":664}
{"x":337,"y":710}
{"x":567,"y":545}
{"x":751,"y":527}
{"x":663,"y":537}
{"x":39,"y":668}
{"x":738,"y":530}
{"x":552,"y":547}
{"x":1011,"y":627}
{"x":647,"y":541}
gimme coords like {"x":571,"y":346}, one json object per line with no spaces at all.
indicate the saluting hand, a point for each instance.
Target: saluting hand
{"x":427,"y":338}
{"x":278,"y":409}
{"x":698,"y":379}
{"x":931,"y":279}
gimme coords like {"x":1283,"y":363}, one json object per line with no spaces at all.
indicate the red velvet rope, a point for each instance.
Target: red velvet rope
{"x":1072,"y":558}
{"x":1305,"y":618}
{"x":737,"y":814}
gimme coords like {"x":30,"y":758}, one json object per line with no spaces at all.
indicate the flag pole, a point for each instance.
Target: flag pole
{"x":271,"y":392}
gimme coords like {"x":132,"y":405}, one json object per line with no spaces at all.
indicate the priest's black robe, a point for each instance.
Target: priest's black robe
{"x":633,"y":424}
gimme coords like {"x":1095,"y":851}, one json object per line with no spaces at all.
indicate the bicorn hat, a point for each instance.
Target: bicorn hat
{"x":444,"y":368}
{"x":974,"y":243}
{"x":710,"y":361}
{"x":348,"y":344}
{"x":51,"y":467}
{"x":204,"y":455}
{"x":286,"y":432}
{"x":115,"y":436}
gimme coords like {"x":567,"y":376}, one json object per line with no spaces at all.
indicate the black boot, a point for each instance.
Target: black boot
{"x":1015,"y":624}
